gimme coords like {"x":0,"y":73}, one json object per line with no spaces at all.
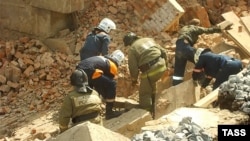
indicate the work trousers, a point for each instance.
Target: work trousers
{"x":148,"y":83}
{"x":105,"y":86}
{"x":231,"y":67}
{"x":184,"y":52}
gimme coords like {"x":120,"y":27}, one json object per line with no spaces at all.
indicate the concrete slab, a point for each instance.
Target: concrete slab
{"x":174,"y":97}
{"x":128,"y":123}
{"x":88,"y":131}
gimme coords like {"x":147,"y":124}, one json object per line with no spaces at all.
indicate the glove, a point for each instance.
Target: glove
{"x":134,"y":83}
{"x":197,"y":75}
{"x":205,"y":82}
{"x":226,"y":26}
{"x":196,"y":83}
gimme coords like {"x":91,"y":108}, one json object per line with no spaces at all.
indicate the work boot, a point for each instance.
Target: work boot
{"x":176,"y":82}
{"x":109,"y":111}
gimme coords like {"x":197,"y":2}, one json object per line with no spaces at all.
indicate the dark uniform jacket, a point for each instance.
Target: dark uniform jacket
{"x":217,"y":66}
{"x":97,"y":66}
{"x":211,"y":63}
{"x":95,"y":44}
{"x":192,"y":32}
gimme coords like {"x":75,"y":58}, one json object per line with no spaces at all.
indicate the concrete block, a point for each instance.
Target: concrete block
{"x":129,"y":123}
{"x":65,"y":6}
{"x":23,"y":17}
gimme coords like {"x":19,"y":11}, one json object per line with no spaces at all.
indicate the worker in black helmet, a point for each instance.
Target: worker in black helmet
{"x":149,"y":59}
{"x":81,"y":104}
{"x":215,"y":66}
{"x":98,"y":40}
{"x":188,"y":35}
{"x":102,"y":72}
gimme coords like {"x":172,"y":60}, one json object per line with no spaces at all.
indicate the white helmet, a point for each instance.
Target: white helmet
{"x":106,"y":24}
{"x":117,"y":56}
{"x":197,"y":54}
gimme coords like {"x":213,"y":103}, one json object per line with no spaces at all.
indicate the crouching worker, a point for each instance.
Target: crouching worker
{"x":102,"y":72}
{"x":82,"y":104}
{"x":215,"y":66}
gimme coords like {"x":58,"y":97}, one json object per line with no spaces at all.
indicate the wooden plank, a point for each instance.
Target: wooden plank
{"x":232,"y":17}
{"x":197,"y":92}
{"x":246,"y":22}
{"x":242,"y":37}
{"x":207,"y":100}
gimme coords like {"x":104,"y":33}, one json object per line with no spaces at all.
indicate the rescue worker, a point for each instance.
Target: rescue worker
{"x":188,"y":36}
{"x":102,"y":72}
{"x":149,"y":58}
{"x":98,"y":40}
{"x":215,"y":66}
{"x":81,"y":104}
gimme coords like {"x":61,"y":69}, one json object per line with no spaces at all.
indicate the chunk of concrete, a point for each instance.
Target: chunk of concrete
{"x":88,"y":131}
{"x":128,"y":123}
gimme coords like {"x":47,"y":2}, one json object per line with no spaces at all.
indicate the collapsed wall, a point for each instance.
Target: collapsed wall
{"x":42,"y":18}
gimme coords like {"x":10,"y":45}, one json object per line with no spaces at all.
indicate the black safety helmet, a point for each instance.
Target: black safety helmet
{"x":79,"y":79}
{"x":129,"y":38}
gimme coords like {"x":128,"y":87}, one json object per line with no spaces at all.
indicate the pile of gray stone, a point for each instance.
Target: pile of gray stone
{"x":185,"y":131}
{"x":234,"y":94}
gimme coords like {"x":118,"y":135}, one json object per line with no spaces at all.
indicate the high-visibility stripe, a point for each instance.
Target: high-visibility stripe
{"x":97,"y":73}
{"x":109,"y":100}
{"x":209,"y":77}
{"x":197,"y":70}
{"x":151,"y":73}
{"x":113,"y":68}
{"x":177,"y":78}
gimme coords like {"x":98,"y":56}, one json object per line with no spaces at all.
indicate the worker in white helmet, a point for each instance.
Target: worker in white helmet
{"x":215,"y":66}
{"x":188,"y":35}
{"x":98,"y":40}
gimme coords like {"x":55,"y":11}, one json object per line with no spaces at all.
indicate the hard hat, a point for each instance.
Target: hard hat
{"x":79,"y":79}
{"x":117,"y":56}
{"x":197,"y":54}
{"x":106,"y":25}
{"x":129,"y":38}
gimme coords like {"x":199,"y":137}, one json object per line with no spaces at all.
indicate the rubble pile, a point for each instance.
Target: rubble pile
{"x":234,"y":94}
{"x":34,"y":78}
{"x":186,"y":130}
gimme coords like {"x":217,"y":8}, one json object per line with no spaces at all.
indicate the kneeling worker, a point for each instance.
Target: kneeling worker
{"x":102,"y":72}
{"x":82,"y":104}
{"x":215,"y":66}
